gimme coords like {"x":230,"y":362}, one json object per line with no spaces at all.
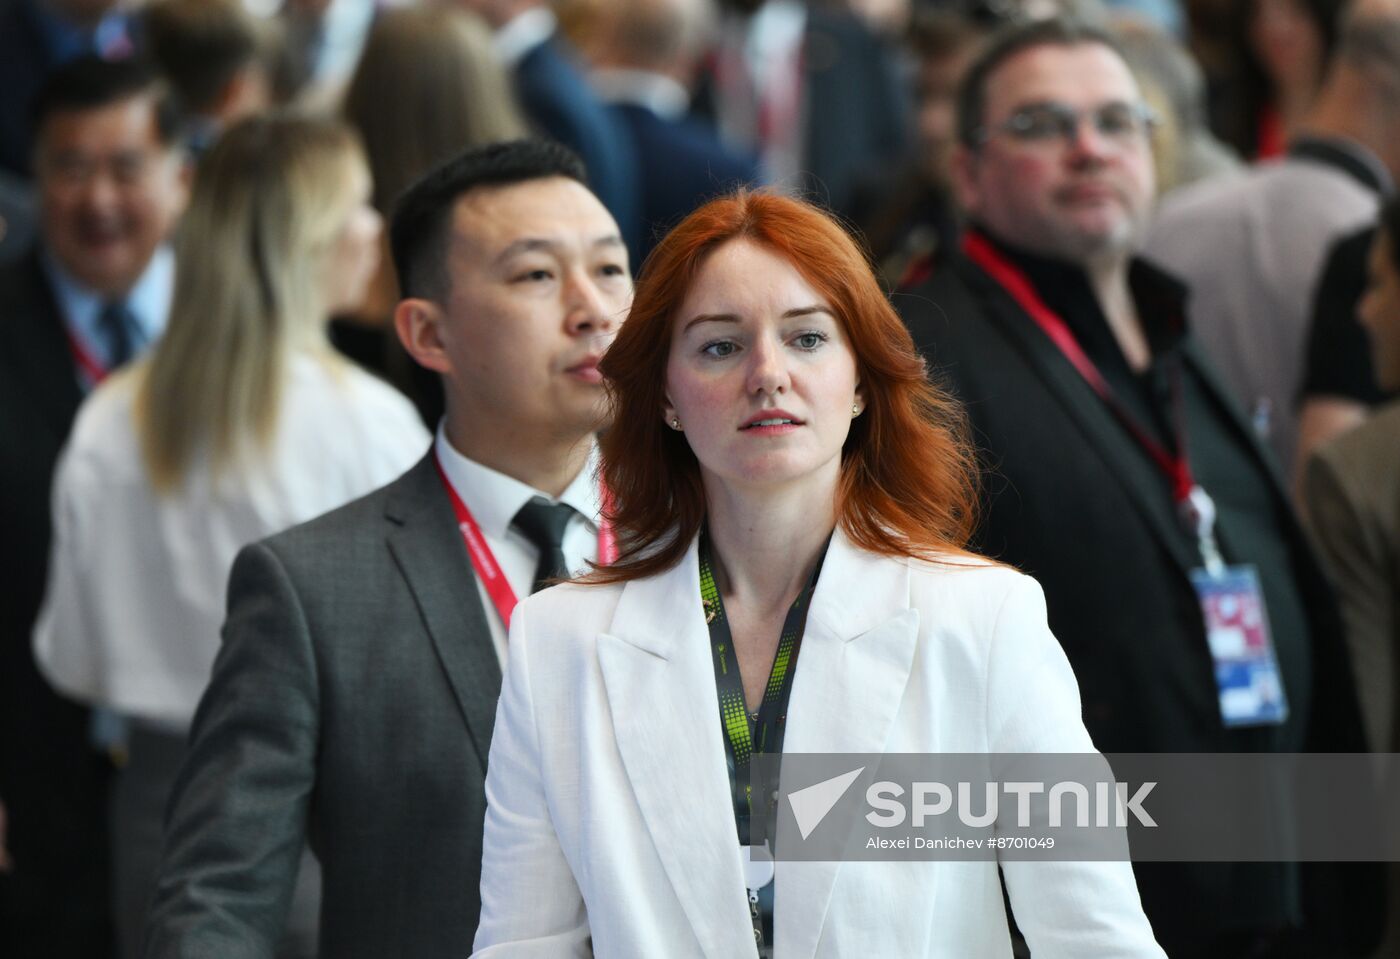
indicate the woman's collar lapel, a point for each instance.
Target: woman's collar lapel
{"x":854,"y":664}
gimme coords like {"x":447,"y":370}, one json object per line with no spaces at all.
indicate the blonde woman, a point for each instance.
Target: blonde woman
{"x":241,"y":423}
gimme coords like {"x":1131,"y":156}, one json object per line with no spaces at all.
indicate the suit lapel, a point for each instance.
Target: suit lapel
{"x":660,"y":684}
{"x":425,"y":543}
{"x":1123,"y":461}
{"x":854,"y":665}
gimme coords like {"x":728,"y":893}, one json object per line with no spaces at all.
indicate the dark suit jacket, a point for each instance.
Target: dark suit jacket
{"x":1069,"y":498}
{"x":352,"y":703}
{"x":55,"y":903}
{"x":856,"y":108}
{"x":557,"y":99}
{"x":24,"y":63}
{"x":683,"y":164}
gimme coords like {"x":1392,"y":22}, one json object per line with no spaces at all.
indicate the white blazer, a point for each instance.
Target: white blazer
{"x":609,"y":815}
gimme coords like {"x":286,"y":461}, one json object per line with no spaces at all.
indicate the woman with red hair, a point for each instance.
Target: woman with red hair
{"x":791,"y":499}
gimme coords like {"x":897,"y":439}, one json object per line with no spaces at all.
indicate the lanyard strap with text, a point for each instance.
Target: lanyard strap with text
{"x":745,"y":735}
{"x":1192,"y":502}
{"x":484,"y":561}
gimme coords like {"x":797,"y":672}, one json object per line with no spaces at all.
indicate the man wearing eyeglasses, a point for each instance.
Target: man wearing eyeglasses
{"x":1118,"y":472}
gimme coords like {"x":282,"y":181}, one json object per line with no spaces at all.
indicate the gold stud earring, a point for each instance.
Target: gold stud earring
{"x":855,"y":409}
{"x":675,"y":423}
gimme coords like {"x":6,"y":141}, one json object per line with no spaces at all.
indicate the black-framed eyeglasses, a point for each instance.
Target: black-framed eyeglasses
{"x":1120,"y":122}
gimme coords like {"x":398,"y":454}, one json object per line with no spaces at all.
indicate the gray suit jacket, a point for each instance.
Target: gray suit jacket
{"x":352,"y":704}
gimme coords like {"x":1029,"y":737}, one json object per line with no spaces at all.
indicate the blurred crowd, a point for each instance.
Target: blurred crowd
{"x":198,"y":302}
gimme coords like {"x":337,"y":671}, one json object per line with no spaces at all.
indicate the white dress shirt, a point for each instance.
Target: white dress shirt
{"x":494,"y":498}
{"x":136,"y":582}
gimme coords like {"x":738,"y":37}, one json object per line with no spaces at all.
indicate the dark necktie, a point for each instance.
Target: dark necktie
{"x":543,"y":524}
{"x":118,"y":325}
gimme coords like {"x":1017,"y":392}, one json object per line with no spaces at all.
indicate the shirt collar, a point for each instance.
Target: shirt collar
{"x":494,"y":498}
{"x":148,"y":299}
{"x":656,"y":92}
{"x":522,"y":34}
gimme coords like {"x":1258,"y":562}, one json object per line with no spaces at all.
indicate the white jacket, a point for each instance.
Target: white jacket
{"x":609,"y":813}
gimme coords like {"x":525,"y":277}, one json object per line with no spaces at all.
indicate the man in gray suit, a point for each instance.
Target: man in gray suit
{"x":353,"y":698}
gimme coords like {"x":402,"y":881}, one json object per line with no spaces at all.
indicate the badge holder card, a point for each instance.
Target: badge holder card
{"x":1241,"y":646}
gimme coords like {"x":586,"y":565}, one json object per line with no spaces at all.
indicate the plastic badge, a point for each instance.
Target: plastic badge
{"x":1237,"y":629}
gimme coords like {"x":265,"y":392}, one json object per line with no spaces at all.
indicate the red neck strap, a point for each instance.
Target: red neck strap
{"x":1018,"y":286}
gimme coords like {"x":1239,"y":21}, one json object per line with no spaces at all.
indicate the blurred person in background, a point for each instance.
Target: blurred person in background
{"x":1175,"y":87}
{"x":1270,"y":64}
{"x":809,"y":88}
{"x":1339,"y":388}
{"x":1252,"y":248}
{"x":217,"y":58}
{"x":1119,"y":473}
{"x":554,"y":94}
{"x":90,"y":295}
{"x":427,"y":87}
{"x":1351,"y":489}
{"x":907,"y":214}
{"x":645,"y":67}
{"x":242,"y":423}
{"x":36,"y":38}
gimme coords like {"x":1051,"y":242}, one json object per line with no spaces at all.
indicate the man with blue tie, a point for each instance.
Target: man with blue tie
{"x":90,"y":295}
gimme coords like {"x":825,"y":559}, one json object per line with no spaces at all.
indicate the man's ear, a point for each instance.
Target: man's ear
{"x":962,"y":170}
{"x":418,"y":323}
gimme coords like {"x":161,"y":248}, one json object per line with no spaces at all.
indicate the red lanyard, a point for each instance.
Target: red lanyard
{"x":484,"y":561}
{"x":1175,"y":466}
{"x":93,"y":371}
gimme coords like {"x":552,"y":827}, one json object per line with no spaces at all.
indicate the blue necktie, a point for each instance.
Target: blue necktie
{"x":118,"y":326}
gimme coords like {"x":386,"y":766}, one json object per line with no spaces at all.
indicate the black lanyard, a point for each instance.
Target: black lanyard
{"x":745,"y":735}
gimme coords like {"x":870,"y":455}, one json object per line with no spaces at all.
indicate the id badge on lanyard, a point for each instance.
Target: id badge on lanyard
{"x":1247,"y":676}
